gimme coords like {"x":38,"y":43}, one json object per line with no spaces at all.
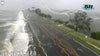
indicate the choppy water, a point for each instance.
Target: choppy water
{"x":13,"y":36}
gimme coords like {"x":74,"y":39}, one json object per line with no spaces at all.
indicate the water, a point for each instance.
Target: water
{"x":13,"y":36}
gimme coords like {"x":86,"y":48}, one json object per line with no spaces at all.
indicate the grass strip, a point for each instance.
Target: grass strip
{"x":78,"y":36}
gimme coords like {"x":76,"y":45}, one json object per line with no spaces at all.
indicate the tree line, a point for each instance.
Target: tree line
{"x":38,"y":11}
{"x":80,"y":22}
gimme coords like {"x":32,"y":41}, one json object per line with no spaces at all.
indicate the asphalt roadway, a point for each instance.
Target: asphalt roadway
{"x":55,"y":42}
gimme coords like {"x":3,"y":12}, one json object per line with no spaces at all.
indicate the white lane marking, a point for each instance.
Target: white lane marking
{"x":85,"y":47}
{"x":38,"y":40}
{"x":93,"y":45}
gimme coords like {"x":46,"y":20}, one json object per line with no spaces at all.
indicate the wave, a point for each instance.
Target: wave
{"x":15,"y":38}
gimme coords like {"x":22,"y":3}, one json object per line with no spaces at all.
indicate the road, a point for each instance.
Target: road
{"x":54,"y":42}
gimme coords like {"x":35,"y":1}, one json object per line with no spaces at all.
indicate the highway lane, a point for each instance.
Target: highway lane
{"x":50,"y":48}
{"x":81,"y":50}
{"x":54,"y":42}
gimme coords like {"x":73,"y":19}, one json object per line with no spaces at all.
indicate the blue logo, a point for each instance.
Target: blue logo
{"x":88,"y":7}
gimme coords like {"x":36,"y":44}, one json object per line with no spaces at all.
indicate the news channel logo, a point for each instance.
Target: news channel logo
{"x":88,"y":6}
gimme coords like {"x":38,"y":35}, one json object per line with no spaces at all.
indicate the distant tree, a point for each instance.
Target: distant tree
{"x":59,"y":21}
{"x":66,"y":23}
{"x":42,"y":14}
{"x":49,"y":16}
{"x":38,"y":11}
{"x":81,"y":22}
{"x":45,"y":15}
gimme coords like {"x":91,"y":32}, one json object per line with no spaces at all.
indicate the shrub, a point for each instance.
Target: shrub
{"x":59,"y":21}
{"x":95,"y":35}
{"x":70,"y":26}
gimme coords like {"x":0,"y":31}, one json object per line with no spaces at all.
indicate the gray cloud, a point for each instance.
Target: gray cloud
{"x":54,"y":4}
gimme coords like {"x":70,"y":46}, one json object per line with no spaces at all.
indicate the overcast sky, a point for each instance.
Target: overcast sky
{"x":53,"y":4}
